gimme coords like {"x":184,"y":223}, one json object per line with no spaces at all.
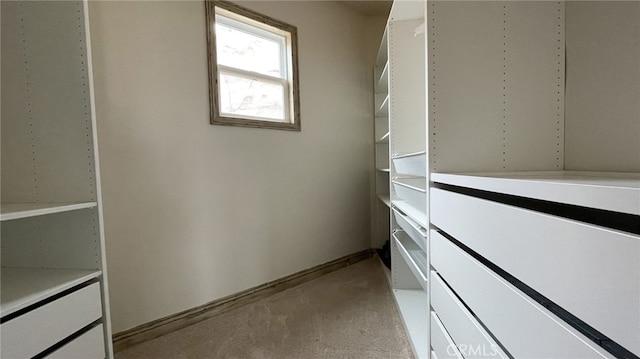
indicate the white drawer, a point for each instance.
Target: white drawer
{"x":412,"y":229}
{"x":39,"y":329}
{"x":470,"y":338}
{"x":441,"y":342}
{"x":551,"y":254}
{"x":89,"y":345}
{"x":521,"y":325}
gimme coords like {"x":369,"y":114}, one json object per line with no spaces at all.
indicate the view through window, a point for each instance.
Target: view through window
{"x":253,"y":68}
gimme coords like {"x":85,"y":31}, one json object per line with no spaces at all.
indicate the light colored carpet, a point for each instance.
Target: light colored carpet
{"x":349,"y":313}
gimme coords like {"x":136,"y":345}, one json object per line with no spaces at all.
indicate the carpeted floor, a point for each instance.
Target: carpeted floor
{"x":349,"y":313}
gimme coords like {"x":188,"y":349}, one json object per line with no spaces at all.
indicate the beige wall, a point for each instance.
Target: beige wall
{"x":194,"y":212}
{"x":602,"y":116}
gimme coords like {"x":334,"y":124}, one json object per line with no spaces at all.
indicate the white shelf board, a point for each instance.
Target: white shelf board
{"x":414,"y":309}
{"x":417,"y":184}
{"x":382,"y":55}
{"x":383,"y":110}
{"x":382,"y":85}
{"x":386,"y":199}
{"x":618,"y":192}
{"x":384,"y":138}
{"x":414,"y":214}
{"x":411,"y":164}
{"x":414,"y":257}
{"x":9,"y":211}
{"x":21,"y":287}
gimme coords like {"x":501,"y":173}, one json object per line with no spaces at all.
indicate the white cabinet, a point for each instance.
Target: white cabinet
{"x":515,"y":161}
{"x":53,"y":275}
{"x":525,"y":328}
{"x":401,"y":100}
{"x":534,"y":155}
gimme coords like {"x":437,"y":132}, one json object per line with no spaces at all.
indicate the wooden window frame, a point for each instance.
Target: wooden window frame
{"x":216,"y":117}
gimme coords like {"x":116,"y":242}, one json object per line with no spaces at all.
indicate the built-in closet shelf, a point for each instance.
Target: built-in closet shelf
{"x":414,"y":257}
{"x":411,"y":164}
{"x":411,"y":212}
{"x":382,"y":85}
{"x":414,"y":309}
{"x":618,"y":192}
{"x":412,"y":191}
{"x":381,"y":56}
{"x":418,"y":184}
{"x":22,"y":287}
{"x":383,"y":109}
{"x":384,"y":138}
{"x":9,"y":211}
{"x":386,"y":199}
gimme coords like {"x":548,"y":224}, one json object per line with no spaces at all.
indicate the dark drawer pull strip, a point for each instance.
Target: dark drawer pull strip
{"x":615,"y":220}
{"x":594,"y":335}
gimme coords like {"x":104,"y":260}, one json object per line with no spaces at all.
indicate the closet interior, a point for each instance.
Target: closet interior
{"x":514,"y":176}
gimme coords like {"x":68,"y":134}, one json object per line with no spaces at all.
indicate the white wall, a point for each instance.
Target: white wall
{"x":602,"y":123}
{"x":195,"y":212}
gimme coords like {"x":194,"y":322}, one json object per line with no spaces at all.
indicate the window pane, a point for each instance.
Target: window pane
{"x":241,"y":96}
{"x":239,"y":49}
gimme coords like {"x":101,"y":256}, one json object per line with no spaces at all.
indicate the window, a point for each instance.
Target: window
{"x":253,"y":68}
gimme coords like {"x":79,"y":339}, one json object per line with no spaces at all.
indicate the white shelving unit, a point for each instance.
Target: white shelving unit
{"x":381,"y":138}
{"x":523,"y":155}
{"x":523,"y":110}
{"x":53,"y":265}
{"x":411,"y":303}
{"x":406,"y":181}
{"x":385,"y":199}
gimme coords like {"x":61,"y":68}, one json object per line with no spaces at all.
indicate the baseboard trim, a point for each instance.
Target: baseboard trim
{"x":171,"y":323}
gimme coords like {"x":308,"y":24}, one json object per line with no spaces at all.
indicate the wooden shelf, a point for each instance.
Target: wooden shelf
{"x":618,"y":192}
{"x":414,"y":309}
{"x":9,"y":211}
{"x":22,"y":287}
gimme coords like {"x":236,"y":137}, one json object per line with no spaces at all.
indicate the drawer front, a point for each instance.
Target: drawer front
{"x":37,"y":330}
{"x":89,"y":345}
{"x":551,"y":254}
{"x":470,"y":338}
{"x":522,"y":326}
{"x":441,"y":342}
{"x":414,"y":230}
